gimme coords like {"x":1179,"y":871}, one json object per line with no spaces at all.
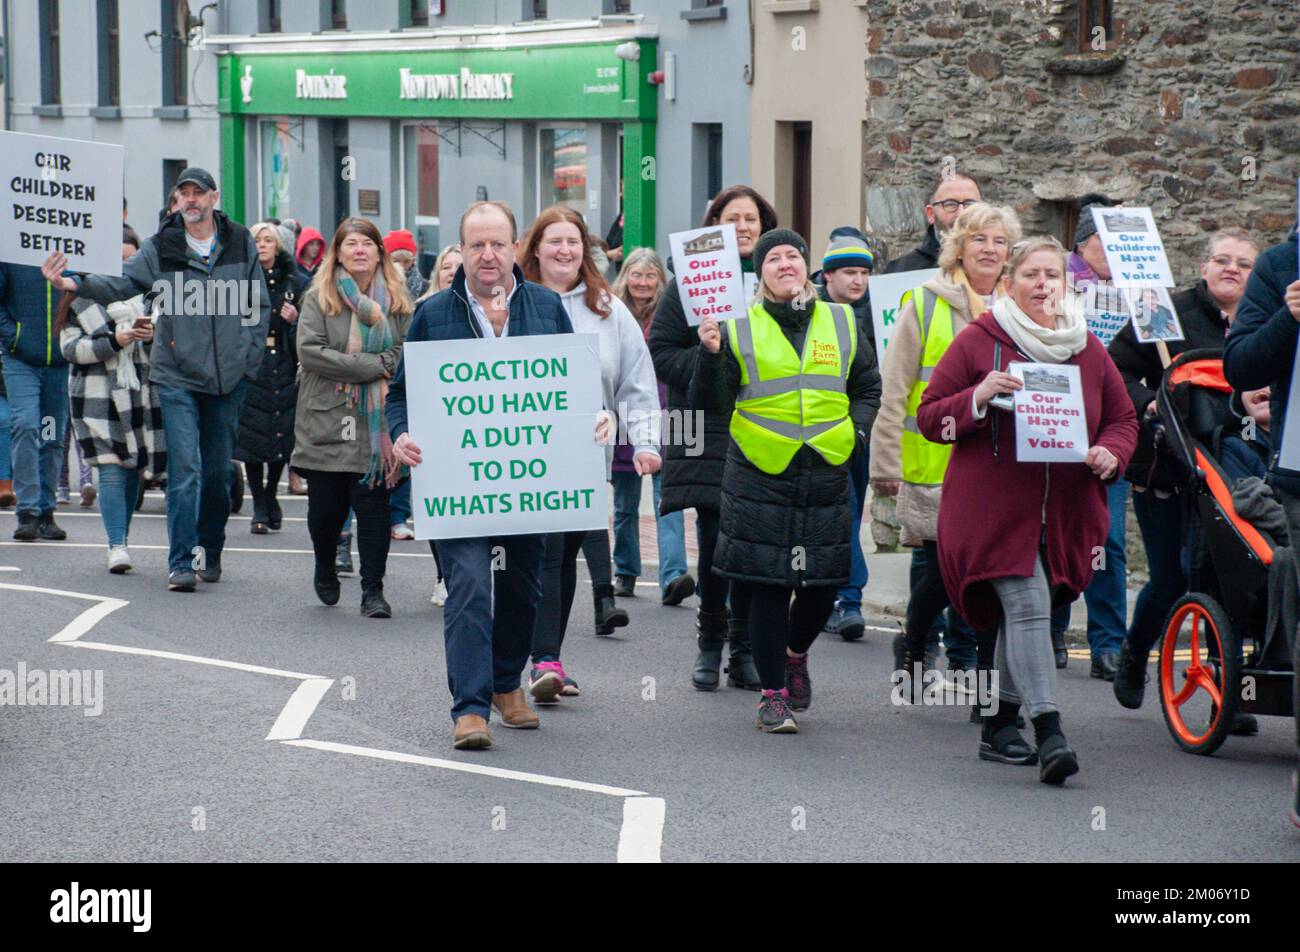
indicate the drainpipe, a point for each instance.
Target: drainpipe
{"x":8,"y":78}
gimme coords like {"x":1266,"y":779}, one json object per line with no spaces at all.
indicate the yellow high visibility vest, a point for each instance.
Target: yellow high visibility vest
{"x":787,"y":400}
{"x":924,"y":463}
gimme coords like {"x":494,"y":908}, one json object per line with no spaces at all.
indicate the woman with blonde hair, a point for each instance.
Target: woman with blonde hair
{"x":444,"y":270}
{"x":905,"y":464}
{"x":350,"y":334}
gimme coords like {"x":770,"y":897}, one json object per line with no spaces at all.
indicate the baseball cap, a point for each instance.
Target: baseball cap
{"x":200,"y":177}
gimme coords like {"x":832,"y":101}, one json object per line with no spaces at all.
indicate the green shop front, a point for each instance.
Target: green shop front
{"x":318,"y":128}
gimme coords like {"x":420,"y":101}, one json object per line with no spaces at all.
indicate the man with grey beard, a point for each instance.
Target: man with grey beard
{"x":212,"y":309}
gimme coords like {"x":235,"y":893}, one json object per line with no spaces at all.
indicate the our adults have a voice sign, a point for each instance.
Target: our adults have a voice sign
{"x":706,"y":263}
{"x":506,"y":428}
{"x":61,"y":195}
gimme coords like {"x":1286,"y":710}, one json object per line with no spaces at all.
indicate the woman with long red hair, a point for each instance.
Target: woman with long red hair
{"x":557,"y":252}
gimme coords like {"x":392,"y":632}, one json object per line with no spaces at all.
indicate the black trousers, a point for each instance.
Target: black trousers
{"x":713,"y":588}
{"x":329,"y":496}
{"x":262,"y":485}
{"x":929,"y":598}
{"x":775,"y":624}
{"x":560,"y":583}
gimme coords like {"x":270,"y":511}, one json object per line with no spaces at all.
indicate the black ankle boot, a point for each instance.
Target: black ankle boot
{"x":326,"y":582}
{"x":274,"y":514}
{"x":741,"y":672}
{"x":1061,"y":653}
{"x":258,"y":524}
{"x":1056,"y":760}
{"x":909,"y":652}
{"x":608,"y":615}
{"x":712,"y":634}
{"x":373,"y":604}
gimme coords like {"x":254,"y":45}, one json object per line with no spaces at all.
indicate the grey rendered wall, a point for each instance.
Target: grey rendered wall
{"x":147,"y":139}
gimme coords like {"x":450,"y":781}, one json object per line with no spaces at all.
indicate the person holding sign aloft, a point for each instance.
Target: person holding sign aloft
{"x":694,"y":460}
{"x":556,"y":252}
{"x":804,"y":392}
{"x":1018,"y":537}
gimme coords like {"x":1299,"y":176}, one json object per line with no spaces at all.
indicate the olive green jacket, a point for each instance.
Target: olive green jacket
{"x":328,"y":434}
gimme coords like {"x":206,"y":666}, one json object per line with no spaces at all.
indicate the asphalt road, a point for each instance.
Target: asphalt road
{"x":178,"y":765}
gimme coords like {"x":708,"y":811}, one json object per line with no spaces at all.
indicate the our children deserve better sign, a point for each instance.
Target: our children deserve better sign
{"x":706,"y":263}
{"x":507,"y":429}
{"x":61,"y":195}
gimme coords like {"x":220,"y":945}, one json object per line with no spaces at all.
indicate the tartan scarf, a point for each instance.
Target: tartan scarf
{"x":370,"y":333}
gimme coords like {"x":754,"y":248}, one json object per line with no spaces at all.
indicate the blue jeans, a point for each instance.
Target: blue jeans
{"x":38,"y":404}
{"x":1161,"y":522}
{"x":6,"y":421}
{"x":399,"y":505}
{"x":1107,"y":596}
{"x":958,"y":637}
{"x":118,"y":488}
{"x":670,"y":531}
{"x":487,"y":627}
{"x":200,"y":433}
{"x":850,"y":596}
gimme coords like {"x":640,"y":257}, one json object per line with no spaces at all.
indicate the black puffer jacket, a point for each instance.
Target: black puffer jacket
{"x":925,"y":255}
{"x":266,"y":418}
{"x":764,"y":517}
{"x":689,"y":481}
{"x":1139,"y":365}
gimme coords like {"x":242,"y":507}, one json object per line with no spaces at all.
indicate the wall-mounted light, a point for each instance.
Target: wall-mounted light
{"x":630,"y":51}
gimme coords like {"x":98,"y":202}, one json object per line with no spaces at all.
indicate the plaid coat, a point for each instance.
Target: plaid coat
{"x":116,"y":417}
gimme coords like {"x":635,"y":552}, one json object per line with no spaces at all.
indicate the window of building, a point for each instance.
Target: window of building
{"x":338,"y":14}
{"x":1096,"y":26}
{"x":271,"y":19}
{"x":420,"y":184}
{"x":705,"y":10}
{"x":51,"y":88}
{"x":539,"y":9}
{"x":275,"y":146}
{"x":562,"y":155}
{"x":171,"y":171}
{"x":175,"y":52}
{"x":706,"y":165}
{"x":419,"y":12}
{"x":617,"y":6}
{"x":110,"y":70}
{"x":801,"y":186}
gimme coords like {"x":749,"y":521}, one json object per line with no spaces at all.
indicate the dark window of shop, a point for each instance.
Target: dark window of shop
{"x":338,"y":15}
{"x":271,"y":21}
{"x":801,"y":186}
{"x":110,"y":69}
{"x":51,"y":89}
{"x":1096,"y":26}
{"x":171,"y":171}
{"x":175,"y":52}
{"x":418,"y":12}
{"x":538,"y":9}
{"x":705,"y":10}
{"x":706,"y":164}
{"x":617,"y":6}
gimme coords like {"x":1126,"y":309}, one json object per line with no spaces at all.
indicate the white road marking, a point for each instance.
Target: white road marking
{"x":229,"y":548}
{"x":293,"y":719}
{"x":9,"y":568}
{"x":641,"y":836}
{"x":464,"y":767}
{"x":91,"y":514}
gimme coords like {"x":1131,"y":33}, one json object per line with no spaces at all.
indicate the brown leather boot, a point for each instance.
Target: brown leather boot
{"x":7,"y":497}
{"x":514,"y":710}
{"x":471,"y":733}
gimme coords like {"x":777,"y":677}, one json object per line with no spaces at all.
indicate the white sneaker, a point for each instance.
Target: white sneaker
{"x":439,"y":594}
{"x":401,"y":533}
{"x":119,"y":559}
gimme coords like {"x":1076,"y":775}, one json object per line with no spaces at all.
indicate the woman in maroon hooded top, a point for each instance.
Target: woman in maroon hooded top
{"x":1017,"y":539}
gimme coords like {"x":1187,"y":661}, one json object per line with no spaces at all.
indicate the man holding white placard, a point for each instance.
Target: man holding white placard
{"x":492,"y":581}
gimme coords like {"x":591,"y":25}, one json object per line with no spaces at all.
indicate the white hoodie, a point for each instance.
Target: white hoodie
{"x":627,"y":374}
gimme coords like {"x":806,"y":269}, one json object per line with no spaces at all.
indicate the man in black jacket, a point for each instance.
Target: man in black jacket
{"x":952,"y":195}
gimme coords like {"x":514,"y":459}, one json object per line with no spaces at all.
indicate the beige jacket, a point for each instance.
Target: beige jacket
{"x":918,"y":506}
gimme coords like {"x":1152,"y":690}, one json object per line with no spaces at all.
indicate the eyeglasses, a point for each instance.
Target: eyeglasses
{"x":951,"y":204}
{"x":1223,"y":261}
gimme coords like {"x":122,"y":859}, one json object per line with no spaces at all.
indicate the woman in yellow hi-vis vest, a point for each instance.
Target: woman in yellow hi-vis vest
{"x":972,"y":256}
{"x":805,"y":396}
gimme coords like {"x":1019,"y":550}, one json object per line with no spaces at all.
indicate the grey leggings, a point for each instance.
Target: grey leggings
{"x":1024,"y":660}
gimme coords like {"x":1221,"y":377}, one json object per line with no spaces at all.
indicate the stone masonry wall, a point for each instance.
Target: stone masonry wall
{"x":1193,"y":108}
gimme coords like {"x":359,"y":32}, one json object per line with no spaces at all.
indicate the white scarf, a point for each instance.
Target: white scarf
{"x":1044,"y":345}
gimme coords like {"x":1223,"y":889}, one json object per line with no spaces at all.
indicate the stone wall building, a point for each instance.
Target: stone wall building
{"x":1191,"y":108}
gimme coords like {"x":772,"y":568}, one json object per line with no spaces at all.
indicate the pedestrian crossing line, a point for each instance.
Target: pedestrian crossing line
{"x":641,"y":832}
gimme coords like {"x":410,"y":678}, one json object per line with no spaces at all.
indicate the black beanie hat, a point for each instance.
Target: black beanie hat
{"x":771,"y":239}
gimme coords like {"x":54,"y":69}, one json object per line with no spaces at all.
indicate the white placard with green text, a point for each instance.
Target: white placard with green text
{"x":887,"y":292}
{"x":507,"y":429}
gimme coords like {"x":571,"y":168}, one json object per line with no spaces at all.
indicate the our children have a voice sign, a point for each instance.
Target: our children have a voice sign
{"x":1051,"y":424}
{"x":706,"y":263}
{"x":507,"y":431}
